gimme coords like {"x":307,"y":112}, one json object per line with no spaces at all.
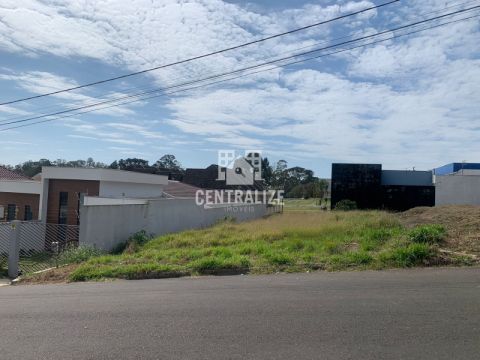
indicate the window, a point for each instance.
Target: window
{"x":63,"y":208}
{"x":11,"y":212}
{"x":79,"y":202}
{"x":28,"y":213}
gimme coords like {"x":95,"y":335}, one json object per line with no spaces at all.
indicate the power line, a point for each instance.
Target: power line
{"x":201,"y":56}
{"x":239,"y":76}
{"x":243,"y":69}
{"x":149,"y":88}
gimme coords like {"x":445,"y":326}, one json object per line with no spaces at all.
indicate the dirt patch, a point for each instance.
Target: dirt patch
{"x":462,"y":223}
{"x":53,"y":276}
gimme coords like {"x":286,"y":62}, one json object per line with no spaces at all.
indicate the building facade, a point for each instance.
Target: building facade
{"x":373,"y":188}
{"x":19,"y":197}
{"x":64,"y":188}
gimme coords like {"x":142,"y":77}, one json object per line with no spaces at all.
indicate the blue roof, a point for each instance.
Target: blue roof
{"x":454,"y":167}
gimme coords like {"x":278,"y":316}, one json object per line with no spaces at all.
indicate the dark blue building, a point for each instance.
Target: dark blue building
{"x":455,"y":167}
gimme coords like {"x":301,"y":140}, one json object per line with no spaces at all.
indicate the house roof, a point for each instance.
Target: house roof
{"x":6,"y":174}
{"x":112,"y":175}
{"x":177,"y":189}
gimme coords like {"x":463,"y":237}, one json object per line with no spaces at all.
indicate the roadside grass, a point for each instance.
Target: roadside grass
{"x":289,"y":242}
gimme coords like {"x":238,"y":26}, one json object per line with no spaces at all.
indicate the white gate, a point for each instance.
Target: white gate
{"x":31,"y":246}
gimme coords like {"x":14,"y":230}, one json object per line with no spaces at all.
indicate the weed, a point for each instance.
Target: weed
{"x":427,"y":234}
{"x":76,"y":255}
{"x":411,"y":255}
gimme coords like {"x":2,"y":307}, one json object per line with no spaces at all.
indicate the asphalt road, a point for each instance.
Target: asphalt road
{"x":414,"y":314}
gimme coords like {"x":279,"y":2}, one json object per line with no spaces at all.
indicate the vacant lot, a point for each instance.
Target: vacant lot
{"x":305,"y":204}
{"x":462,"y":223}
{"x":291,"y":242}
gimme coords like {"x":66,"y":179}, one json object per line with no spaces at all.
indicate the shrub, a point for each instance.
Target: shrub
{"x":75,"y":255}
{"x":346,"y":205}
{"x":427,"y":234}
{"x":413,"y":254}
{"x":133,"y":243}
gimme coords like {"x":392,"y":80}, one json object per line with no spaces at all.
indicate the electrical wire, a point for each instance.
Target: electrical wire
{"x":149,"y":89}
{"x":246,"y":68}
{"x":202,"y":56}
{"x":251,"y":73}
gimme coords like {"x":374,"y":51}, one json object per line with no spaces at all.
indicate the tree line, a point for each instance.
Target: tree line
{"x":296,"y":182}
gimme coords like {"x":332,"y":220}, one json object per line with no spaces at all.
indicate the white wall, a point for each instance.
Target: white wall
{"x":21,"y":186}
{"x":131,"y":190}
{"x":105,"y":226}
{"x":457,"y":190}
{"x":95,"y":200}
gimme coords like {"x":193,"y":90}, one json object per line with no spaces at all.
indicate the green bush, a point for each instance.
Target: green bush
{"x":133,"y":243}
{"x":346,"y":205}
{"x":75,"y":255}
{"x":411,"y":255}
{"x":427,"y":234}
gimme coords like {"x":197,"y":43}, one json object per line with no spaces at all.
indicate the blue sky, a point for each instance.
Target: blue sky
{"x":407,"y":102}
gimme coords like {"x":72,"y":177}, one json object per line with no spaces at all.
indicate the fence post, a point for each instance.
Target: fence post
{"x":14,"y":250}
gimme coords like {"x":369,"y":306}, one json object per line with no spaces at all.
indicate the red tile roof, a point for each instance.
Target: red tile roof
{"x":6,"y":174}
{"x":177,"y":189}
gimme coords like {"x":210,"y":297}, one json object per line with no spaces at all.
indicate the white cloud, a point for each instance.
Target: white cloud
{"x":412,"y":101}
{"x":40,"y":82}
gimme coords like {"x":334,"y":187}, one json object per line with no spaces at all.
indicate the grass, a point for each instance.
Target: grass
{"x":289,"y":242}
{"x":303,"y":204}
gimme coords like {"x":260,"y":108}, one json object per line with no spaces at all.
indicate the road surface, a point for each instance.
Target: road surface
{"x":405,"y":314}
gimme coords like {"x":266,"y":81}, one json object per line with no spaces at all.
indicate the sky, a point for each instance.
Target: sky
{"x":407,"y":102}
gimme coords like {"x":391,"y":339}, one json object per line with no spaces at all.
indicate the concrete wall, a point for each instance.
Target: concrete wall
{"x":95,"y":200}
{"x":132,"y":190}
{"x":457,"y":189}
{"x":105,"y":226}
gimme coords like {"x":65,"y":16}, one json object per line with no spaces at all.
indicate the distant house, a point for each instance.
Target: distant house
{"x":63,"y":189}
{"x":215,"y":177}
{"x":56,"y":194}
{"x":177,"y":189}
{"x":19,"y":196}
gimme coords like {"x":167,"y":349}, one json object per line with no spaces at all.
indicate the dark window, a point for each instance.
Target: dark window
{"x":63,"y":208}
{"x":79,"y":202}
{"x":11,"y":212}
{"x":28,"y":213}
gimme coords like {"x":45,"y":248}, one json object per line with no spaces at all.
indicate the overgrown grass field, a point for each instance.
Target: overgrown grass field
{"x":288,"y":242}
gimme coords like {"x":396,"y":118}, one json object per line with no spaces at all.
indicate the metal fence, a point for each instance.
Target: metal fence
{"x":5,"y":229}
{"x":34,"y":246}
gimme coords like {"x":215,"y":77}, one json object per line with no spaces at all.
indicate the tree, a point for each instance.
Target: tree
{"x":278,"y":180}
{"x":168,"y":162}
{"x":132,"y":164}
{"x":267,"y":172}
{"x":31,"y":168}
